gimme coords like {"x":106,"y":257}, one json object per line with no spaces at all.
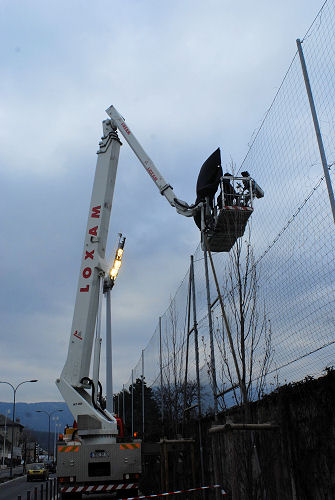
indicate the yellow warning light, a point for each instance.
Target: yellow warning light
{"x":113,"y":273}
{"x":119,"y":252}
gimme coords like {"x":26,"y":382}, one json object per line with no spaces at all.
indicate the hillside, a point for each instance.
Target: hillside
{"x":28,"y":416}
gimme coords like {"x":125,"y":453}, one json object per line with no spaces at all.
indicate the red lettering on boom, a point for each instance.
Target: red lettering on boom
{"x":93,"y":231}
{"x":87,"y":272}
{"x":124,"y":126}
{"x":86,"y":289}
{"x":96,"y":212}
{"x":76,"y":334}
{"x":89,"y":255}
{"x":152,"y":174}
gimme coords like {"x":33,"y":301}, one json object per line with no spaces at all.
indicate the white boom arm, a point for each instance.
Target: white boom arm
{"x":75,"y":375}
{"x":165,"y":189}
{"x":74,"y":378}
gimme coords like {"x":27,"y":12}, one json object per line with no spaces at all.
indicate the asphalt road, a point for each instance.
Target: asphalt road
{"x":19,"y":486}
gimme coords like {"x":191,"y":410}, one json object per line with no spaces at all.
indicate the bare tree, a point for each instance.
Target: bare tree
{"x":173,"y":368}
{"x":250,"y":327}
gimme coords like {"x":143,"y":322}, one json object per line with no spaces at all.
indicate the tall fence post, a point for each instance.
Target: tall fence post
{"x":161,"y":368}
{"x":132,"y":403}
{"x":317,"y":128}
{"x":196,"y":347}
{"x":123,"y":405}
{"x":143,"y":393}
{"x":187,"y":345}
{"x":211,"y":339}
{"x":230,"y":338}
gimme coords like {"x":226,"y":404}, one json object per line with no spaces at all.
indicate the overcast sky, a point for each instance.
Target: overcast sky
{"x":189,"y":76}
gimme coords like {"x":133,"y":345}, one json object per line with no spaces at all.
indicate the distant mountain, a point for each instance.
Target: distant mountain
{"x":26,"y":412}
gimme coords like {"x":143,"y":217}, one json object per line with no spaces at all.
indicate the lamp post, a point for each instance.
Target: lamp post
{"x":57,"y":427}
{"x":55,"y":420}
{"x":14,"y":400}
{"x":4,"y":439}
{"x":49,"y":416}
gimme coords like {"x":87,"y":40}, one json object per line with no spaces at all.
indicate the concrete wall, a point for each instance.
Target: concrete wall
{"x":297,"y":461}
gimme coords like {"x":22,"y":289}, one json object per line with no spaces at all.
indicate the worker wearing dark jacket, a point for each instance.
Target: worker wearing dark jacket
{"x":229,"y":192}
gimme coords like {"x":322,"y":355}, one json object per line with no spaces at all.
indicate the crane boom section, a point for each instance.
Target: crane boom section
{"x":163,"y":186}
{"x":93,"y":265}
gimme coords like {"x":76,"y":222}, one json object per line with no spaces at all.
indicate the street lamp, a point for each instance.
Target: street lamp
{"x":49,"y":415}
{"x":14,"y":399}
{"x":4,"y":439}
{"x":57,"y":427}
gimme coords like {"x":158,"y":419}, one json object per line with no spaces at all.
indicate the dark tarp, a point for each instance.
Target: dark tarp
{"x":209,"y":176}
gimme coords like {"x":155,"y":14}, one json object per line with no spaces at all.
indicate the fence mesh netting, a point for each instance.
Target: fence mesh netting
{"x":283,"y":265}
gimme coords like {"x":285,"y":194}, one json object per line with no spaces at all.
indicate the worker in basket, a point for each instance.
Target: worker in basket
{"x":228,"y":195}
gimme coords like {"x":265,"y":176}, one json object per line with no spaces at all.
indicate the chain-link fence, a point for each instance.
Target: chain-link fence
{"x":277,"y":283}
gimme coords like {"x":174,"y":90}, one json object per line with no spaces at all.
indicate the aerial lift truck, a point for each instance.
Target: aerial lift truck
{"x":93,"y":457}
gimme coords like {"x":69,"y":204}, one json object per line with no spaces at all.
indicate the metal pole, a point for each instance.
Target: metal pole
{"x":230,"y":338}
{"x":55,"y":437}
{"x":109,"y":362}
{"x":123,"y":406}
{"x":211,"y":339}
{"x":54,"y":452}
{"x":14,"y":390}
{"x":49,"y":437}
{"x":317,"y":128}
{"x":161,"y":367}
{"x":195,"y":328}
{"x":4,"y":441}
{"x":132,"y":403}
{"x":187,"y":343}
{"x":12,"y":444}
{"x":142,"y":393}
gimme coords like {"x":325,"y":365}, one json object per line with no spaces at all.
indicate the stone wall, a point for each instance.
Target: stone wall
{"x":295,"y":461}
